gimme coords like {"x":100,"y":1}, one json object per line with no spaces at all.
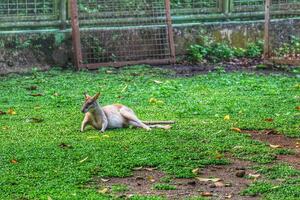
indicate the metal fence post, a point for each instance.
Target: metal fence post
{"x":226,"y":6}
{"x":76,"y":34}
{"x":170,"y":31}
{"x":267,"y":30}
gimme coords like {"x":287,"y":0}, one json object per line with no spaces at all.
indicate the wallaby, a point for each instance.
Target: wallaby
{"x":112,"y":116}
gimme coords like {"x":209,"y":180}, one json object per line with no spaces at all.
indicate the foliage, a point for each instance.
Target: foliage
{"x":289,"y":48}
{"x":208,"y":49}
{"x":164,"y":186}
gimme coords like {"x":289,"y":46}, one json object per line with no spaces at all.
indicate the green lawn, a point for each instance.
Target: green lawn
{"x":33,"y":165}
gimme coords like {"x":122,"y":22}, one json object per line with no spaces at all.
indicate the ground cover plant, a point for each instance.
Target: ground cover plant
{"x":44,"y":156}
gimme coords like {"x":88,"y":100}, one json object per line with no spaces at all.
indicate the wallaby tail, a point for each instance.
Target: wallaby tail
{"x":158,"y":122}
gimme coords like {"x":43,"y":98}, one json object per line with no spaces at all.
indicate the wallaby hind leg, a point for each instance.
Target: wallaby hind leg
{"x":139,"y":124}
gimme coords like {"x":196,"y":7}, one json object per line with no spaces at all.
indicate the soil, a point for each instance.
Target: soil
{"x":257,"y":65}
{"x":20,"y":61}
{"x":232,"y":182}
{"x":279,"y":141}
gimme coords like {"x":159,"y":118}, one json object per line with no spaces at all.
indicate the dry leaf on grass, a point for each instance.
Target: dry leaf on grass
{"x":158,"y":82}
{"x":275,"y":146}
{"x":83,"y":160}
{"x":103,"y":191}
{"x":298,"y":108}
{"x":206,"y":194}
{"x":196,"y":171}
{"x":255,"y":176}
{"x":14,"y":161}
{"x":11,"y":112}
{"x":137,"y":168}
{"x":227,"y":117}
{"x":219,"y":184}
{"x":37,"y":95}
{"x":105,"y":180}
{"x":34,"y":120}
{"x":150,"y":169}
{"x":155,"y":101}
{"x":33,"y":87}
{"x":269,"y":119}
{"x":151,"y":179}
{"x":228,"y":196}
{"x":208,"y":179}
{"x":236,"y":130}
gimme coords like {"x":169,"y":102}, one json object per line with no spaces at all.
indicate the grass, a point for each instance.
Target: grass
{"x":164,"y":186}
{"x":44,"y":155}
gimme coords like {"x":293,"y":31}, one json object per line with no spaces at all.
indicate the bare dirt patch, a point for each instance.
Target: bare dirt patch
{"x":20,"y":61}
{"x":216,"y":182}
{"x":256,"y":65}
{"x":277,"y":140}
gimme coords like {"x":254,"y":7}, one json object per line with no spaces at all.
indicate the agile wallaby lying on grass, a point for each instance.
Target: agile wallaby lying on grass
{"x":113,"y":116}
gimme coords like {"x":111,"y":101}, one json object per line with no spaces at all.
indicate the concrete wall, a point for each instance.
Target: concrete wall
{"x":20,"y":51}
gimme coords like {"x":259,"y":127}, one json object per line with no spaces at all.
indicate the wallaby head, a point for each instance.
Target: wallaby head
{"x":90,"y":103}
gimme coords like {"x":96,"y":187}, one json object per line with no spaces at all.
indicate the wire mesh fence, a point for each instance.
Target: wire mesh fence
{"x":284,"y":47}
{"x":124,"y":31}
{"x":23,"y":10}
{"x":189,"y":7}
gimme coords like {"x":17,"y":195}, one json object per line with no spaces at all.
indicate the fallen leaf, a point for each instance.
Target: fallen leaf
{"x":227,"y":117}
{"x":137,"y":168}
{"x":36,"y":95}
{"x":150,"y":169}
{"x":228,"y":196}
{"x":208,"y":179}
{"x":206,"y":194}
{"x":254,"y":175}
{"x":105,"y":180}
{"x":151,"y":179}
{"x":236,"y":130}
{"x":64,"y":145}
{"x":269,"y":119}
{"x":275,"y":146}
{"x":158,"y":82}
{"x":11,"y":112}
{"x":109,"y":72}
{"x":14,"y":161}
{"x":219,"y":184}
{"x":2,"y":112}
{"x":34,"y":120}
{"x":196,"y":171}
{"x":218,"y":155}
{"x":103,"y":191}
{"x":94,"y":137}
{"x":83,"y":160}
{"x":155,"y":101}
{"x":33,"y":87}
{"x":123,"y":90}
{"x":298,"y":108}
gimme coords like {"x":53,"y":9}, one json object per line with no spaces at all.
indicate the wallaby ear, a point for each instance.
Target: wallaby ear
{"x":86,"y":96}
{"x":96,"y":96}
